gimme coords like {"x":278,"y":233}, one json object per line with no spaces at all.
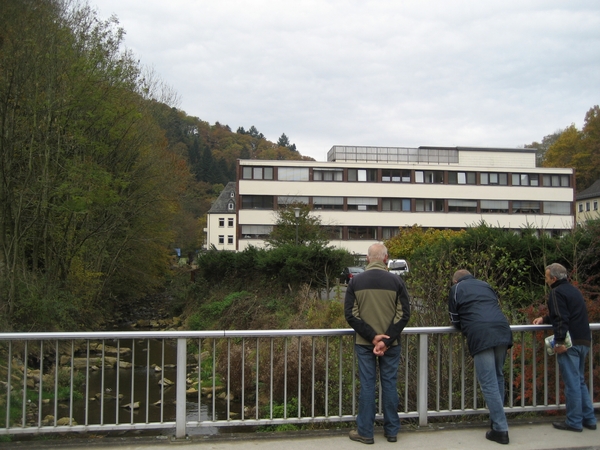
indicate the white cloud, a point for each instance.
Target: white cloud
{"x":374,"y":72}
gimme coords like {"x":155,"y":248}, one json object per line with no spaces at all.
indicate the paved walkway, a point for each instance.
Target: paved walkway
{"x":523,"y":435}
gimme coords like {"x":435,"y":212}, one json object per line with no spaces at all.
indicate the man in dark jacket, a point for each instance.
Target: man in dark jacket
{"x":378,"y":309}
{"x":474,"y":309}
{"x":567,"y":312}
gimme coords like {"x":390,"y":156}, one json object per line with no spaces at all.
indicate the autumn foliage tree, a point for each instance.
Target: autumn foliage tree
{"x":87,"y":188}
{"x":579,"y":149}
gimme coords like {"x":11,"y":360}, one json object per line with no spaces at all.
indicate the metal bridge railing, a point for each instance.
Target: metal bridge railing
{"x":199,"y":381}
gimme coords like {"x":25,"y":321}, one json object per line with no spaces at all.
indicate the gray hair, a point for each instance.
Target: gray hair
{"x":377,"y":252}
{"x":459,"y":274}
{"x":557,"y":271}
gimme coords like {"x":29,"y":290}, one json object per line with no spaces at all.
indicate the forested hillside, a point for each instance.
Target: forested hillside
{"x":210,"y":153}
{"x":211,"y":150}
{"x":100,"y":176}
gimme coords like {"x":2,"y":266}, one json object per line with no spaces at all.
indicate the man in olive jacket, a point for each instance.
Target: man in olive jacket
{"x":377,"y":307}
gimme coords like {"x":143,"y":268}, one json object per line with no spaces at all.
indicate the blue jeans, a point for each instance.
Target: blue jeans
{"x":489,"y":365}
{"x":388,"y":375}
{"x":578,"y":401}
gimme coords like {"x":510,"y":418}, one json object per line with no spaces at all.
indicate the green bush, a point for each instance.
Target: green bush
{"x":280,"y":411}
{"x":286,"y":267}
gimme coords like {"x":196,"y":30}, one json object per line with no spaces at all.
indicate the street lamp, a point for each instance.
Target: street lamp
{"x":296,"y":215}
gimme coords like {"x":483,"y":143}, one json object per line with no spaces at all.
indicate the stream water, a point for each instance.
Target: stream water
{"x":135,"y":385}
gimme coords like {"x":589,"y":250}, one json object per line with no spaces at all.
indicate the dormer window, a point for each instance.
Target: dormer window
{"x":230,"y":206}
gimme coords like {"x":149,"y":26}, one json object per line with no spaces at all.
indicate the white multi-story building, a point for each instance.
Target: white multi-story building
{"x":365,"y":194}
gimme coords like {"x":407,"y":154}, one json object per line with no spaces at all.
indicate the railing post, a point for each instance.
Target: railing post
{"x":180,"y":410}
{"x":422,"y":378}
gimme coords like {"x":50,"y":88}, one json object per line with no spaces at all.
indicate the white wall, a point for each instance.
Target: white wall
{"x":214,"y":231}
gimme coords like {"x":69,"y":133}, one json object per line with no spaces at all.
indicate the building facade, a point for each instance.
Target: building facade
{"x":364,"y":195}
{"x":221,"y":221}
{"x":587,"y":203}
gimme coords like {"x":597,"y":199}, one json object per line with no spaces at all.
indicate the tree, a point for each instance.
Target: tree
{"x":308,"y":227}
{"x":245,"y":153}
{"x":591,"y":144}
{"x":409,"y":239}
{"x":562,"y":152}
{"x":542,"y":147}
{"x":285,"y":142}
{"x":579,"y":150}
{"x":252,"y":131}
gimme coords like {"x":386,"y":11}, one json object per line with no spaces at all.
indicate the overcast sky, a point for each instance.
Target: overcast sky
{"x":379,"y":73}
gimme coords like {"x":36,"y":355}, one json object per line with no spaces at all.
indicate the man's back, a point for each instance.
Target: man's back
{"x":568,"y":311}
{"x":474,"y":309}
{"x":476,"y":302}
{"x":375,"y":301}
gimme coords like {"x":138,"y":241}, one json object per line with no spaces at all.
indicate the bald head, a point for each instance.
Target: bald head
{"x":377,"y":252}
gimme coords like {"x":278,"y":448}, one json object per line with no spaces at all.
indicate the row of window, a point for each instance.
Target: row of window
{"x":405,"y":176}
{"x":588,"y":206}
{"x":410,"y":205}
{"x":393,"y":154}
{"x":333,"y":232}
{"x":347,"y":232}
{"x":222,"y":222}
{"x":229,"y":239}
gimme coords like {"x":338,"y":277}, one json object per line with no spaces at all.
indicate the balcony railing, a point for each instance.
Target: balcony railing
{"x":197,"y":382}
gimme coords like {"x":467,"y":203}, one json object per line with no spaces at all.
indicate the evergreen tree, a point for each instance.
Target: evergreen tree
{"x":283,"y":141}
{"x":244,"y":153}
{"x":194,"y":153}
{"x":252,"y":131}
{"x":205,"y":166}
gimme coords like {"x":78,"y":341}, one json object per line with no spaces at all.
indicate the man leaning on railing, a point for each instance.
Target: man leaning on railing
{"x":474,"y":309}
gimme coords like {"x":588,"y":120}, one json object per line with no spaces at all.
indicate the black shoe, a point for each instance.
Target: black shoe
{"x":391,"y":438}
{"x":564,"y":426}
{"x":589,"y":427}
{"x":358,"y":438}
{"x":501,"y":437}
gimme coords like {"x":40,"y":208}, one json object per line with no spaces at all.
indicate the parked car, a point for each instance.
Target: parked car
{"x":348,"y":273}
{"x":398,"y":266}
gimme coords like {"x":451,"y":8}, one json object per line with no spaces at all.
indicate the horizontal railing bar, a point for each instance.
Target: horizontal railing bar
{"x":485,"y":411}
{"x":280,"y":421}
{"x":84,"y":428}
{"x":235,"y":333}
{"x":274,"y":421}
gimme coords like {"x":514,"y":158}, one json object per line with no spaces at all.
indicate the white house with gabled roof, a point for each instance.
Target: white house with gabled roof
{"x":221,"y":221}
